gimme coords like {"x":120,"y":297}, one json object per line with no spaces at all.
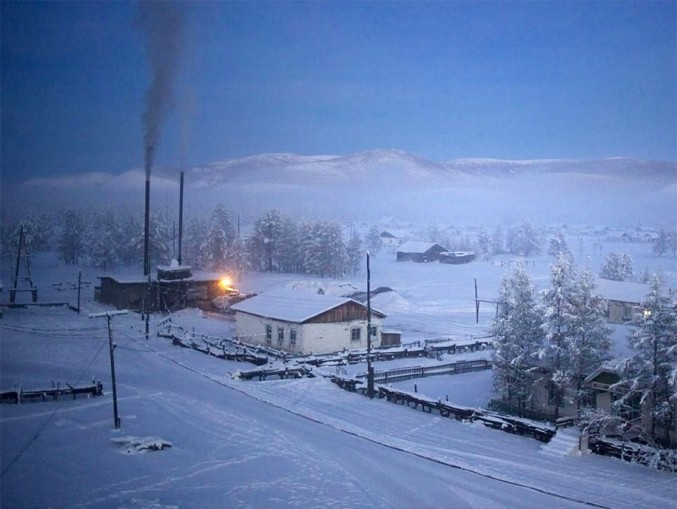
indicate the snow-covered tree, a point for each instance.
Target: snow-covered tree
{"x":518,"y":340}
{"x":196,"y":235}
{"x":125,"y":250}
{"x":558,"y":245}
{"x":238,"y":258}
{"x":672,"y":241}
{"x":265,"y":242}
{"x":159,"y":240}
{"x":649,"y":378}
{"x":483,"y":244}
{"x":71,"y":242}
{"x":373,"y":240}
{"x":323,"y":248}
{"x":220,"y":236}
{"x":590,"y":338}
{"x":524,"y":240}
{"x":617,"y":267}
{"x":661,"y":246}
{"x":498,"y":241}
{"x":559,"y":328}
{"x":289,"y":257}
{"x":103,"y":235}
{"x":354,"y":253}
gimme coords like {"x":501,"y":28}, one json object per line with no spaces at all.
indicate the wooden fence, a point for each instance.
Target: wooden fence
{"x":662,"y":459}
{"x":493,"y":420}
{"x":410,"y":373}
{"x":53,"y":393}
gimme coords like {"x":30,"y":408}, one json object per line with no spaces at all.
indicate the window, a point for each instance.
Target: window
{"x":269,"y":333}
{"x":280,"y":335}
{"x":374,"y":331}
{"x":292,"y":337}
{"x":355,"y":334}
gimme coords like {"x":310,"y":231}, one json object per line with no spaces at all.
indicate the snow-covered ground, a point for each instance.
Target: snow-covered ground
{"x":280,"y":443}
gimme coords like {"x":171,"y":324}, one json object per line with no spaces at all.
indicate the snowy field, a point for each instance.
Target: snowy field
{"x":288,"y":443}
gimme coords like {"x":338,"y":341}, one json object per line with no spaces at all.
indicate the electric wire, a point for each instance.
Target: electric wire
{"x":49,"y":417}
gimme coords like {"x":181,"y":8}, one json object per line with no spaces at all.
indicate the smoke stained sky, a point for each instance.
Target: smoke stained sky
{"x":442,"y":80}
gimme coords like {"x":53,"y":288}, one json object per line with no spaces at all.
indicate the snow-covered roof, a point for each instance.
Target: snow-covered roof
{"x":622,"y":291}
{"x":292,"y":306}
{"x":398,"y":234}
{"x":415,"y":246}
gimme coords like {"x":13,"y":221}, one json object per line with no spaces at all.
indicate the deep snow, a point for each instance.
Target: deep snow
{"x":288,"y":443}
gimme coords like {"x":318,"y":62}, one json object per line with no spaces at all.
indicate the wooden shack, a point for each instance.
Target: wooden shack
{"x":414,"y":251}
{"x":174,"y":287}
{"x":457,"y":257}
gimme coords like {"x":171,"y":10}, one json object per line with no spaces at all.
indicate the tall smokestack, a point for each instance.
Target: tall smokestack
{"x":180,"y":216}
{"x":161,"y":23}
{"x":146,"y":223}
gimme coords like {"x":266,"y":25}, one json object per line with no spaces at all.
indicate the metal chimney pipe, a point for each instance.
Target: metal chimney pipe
{"x":146,"y":227}
{"x":180,"y":218}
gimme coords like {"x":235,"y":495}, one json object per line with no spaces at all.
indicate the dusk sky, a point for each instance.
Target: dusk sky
{"x":442,"y":80}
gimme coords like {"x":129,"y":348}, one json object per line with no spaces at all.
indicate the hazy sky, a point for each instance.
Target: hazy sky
{"x":442,"y":80}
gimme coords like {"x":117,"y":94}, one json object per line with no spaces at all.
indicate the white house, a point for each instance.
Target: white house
{"x":394,"y":238}
{"x":623,"y":298}
{"x":305,"y":323}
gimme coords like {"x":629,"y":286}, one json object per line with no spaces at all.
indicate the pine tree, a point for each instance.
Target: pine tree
{"x":590,"y":339}
{"x":483,"y":244}
{"x":559,"y":328}
{"x":103,"y":235}
{"x":354,"y":253}
{"x":672,"y":242}
{"x":373,"y":240}
{"x":660,"y":247}
{"x":649,"y":378}
{"x":288,"y":250}
{"x":196,"y":236}
{"x":265,"y":242}
{"x":617,"y":267}
{"x":219,"y":239}
{"x":524,"y":240}
{"x":71,"y":245}
{"x":159,"y":240}
{"x":518,"y":340}
{"x":125,"y":250}
{"x":324,"y":251}
{"x":497,"y":242}
{"x":558,"y":245}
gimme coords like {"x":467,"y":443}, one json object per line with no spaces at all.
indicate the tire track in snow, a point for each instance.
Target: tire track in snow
{"x":378,"y":442}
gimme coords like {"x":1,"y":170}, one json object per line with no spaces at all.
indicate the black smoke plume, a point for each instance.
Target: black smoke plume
{"x":161,"y":23}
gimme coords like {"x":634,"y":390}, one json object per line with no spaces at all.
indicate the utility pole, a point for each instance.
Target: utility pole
{"x":109,"y":315}
{"x":79,"y":287}
{"x":370,"y":369}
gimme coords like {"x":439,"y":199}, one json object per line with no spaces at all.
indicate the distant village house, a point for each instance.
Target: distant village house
{"x":414,"y":251}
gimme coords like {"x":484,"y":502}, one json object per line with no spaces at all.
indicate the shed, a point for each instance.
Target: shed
{"x":172,"y":289}
{"x":415,"y":251}
{"x":305,"y":323}
{"x":457,"y":257}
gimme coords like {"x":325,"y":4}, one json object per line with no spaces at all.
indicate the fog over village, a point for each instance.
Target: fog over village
{"x":393,"y":255}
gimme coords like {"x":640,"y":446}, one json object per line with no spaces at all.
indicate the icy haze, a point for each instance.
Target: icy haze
{"x":390,"y":183}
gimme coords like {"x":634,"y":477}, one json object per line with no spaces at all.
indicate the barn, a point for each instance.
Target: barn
{"x":305,"y":323}
{"x":415,"y":251}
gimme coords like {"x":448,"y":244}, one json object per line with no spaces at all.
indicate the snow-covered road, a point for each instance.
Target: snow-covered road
{"x":296,"y":443}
